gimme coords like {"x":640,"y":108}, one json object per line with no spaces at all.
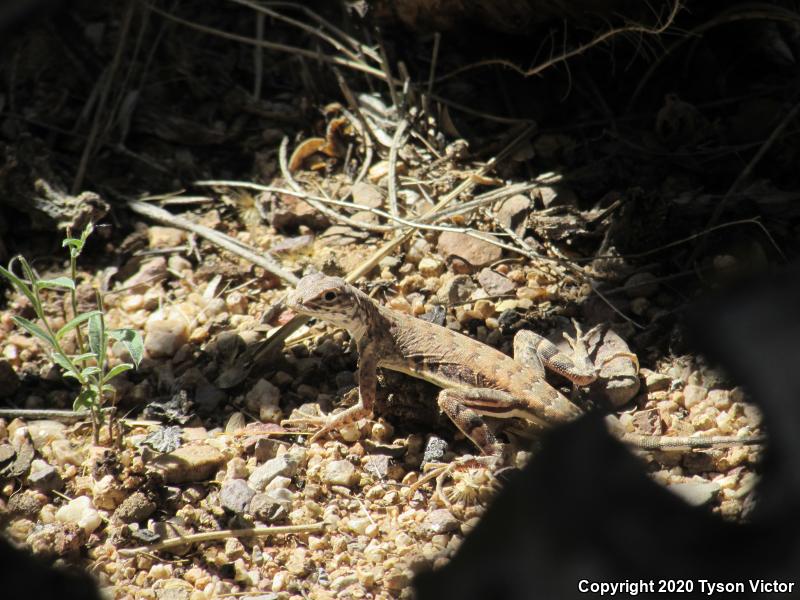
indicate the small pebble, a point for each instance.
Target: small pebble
{"x":235,"y":495}
{"x":340,"y":472}
{"x":81,"y":512}
{"x":285,"y":465}
{"x":163,"y":338}
{"x":135,"y":508}
{"x":440,"y":521}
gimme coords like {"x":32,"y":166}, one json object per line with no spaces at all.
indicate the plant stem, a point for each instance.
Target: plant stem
{"x":73,"y":268}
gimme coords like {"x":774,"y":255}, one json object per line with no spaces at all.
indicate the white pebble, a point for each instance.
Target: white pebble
{"x":81,"y":512}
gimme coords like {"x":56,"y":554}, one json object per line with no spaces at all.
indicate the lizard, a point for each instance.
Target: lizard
{"x":476,"y":380}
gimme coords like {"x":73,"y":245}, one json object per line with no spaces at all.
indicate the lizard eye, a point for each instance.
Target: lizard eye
{"x":329,"y":296}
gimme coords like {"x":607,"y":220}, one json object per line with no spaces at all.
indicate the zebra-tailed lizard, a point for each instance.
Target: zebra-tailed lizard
{"x":476,"y":380}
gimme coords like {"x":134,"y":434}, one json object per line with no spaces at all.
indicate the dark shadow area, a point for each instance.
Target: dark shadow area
{"x":584,"y":509}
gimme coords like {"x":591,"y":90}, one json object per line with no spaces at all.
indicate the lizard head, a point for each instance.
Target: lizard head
{"x":328,"y":298}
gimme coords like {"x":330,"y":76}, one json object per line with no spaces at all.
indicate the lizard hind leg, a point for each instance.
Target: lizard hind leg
{"x":454,"y":403}
{"x":538,"y":352}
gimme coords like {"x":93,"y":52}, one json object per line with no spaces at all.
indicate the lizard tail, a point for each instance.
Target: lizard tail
{"x":660,"y":442}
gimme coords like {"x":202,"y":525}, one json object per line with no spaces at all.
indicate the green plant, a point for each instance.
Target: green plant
{"x":90,"y":366}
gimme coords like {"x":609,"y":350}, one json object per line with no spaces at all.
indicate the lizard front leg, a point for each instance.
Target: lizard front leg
{"x":367,"y":386}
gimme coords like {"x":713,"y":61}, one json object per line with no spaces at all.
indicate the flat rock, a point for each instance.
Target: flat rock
{"x":190,"y":463}
{"x":477,"y":253}
{"x":235,"y":495}
{"x":495,"y":284}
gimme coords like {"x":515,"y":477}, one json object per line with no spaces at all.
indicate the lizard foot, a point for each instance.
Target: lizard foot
{"x":328,"y":423}
{"x":471,"y":477}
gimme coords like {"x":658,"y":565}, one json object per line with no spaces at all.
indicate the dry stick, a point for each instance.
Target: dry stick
{"x":437,"y":38}
{"x":368,"y":153}
{"x":353,"y":42}
{"x":335,"y":60}
{"x":396,"y":141}
{"x":474,"y":233}
{"x":93,"y":132}
{"x":52,"y":414}
{"x":465,"y":186}
{"x":282,"y":159}
{"x":263,"y":10}
{"x":212,"y":536}
{"x":365,"y":128}
{"x":566,"y":55}
{"x":162,"y":216}
{"x":387,"y":70}
{"x":720,"y":208}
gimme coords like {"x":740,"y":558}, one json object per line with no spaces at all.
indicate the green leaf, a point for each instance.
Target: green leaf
{"x":27,"y":270}
{"x":87,"y":399}
{"x":76,"y":244}
{"x":120,"y":368}
{"x":33,"y":329}
{"x":132,"y":340}
{"x":84,"y":356}
{"x":109,"y":388}
{"x":75,"y":322}
{"x":87,"y":231}
{"x":19,"y":284}
{"x":63,"y":362}
{"x":55,"y":284}
{"x":89,"y":371}
{"x":96,"y":335}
